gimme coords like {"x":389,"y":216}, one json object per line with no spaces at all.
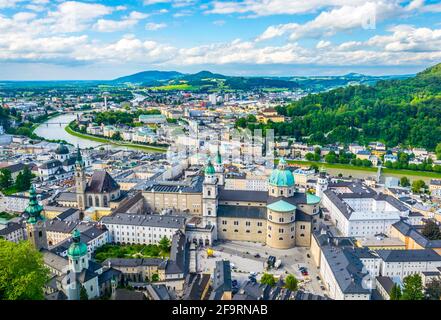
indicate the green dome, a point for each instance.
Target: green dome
{"x":34,"y":209}
{"x":62,"y":149}
{"x":209,"y":170}
{"x":281,"y":177}
{"x":312,"y":199}
{"x":77,"y":249}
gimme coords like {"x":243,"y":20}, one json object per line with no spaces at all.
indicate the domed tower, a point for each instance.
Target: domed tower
{"x":281,"y":181}
{"x":281,"y":213}
{"x":210,"y":197}
{"x":62,"y":152}
{"x":219,"y":168}
{"x":80,"y":181}
{"x":35,"y":226}
{"x":78,"y":254}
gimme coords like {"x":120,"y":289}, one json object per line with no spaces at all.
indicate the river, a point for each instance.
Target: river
{"x":51,"y":129}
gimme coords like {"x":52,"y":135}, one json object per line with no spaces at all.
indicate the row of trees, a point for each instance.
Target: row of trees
{"x":291,"y":281}
{"x":413,"y":289}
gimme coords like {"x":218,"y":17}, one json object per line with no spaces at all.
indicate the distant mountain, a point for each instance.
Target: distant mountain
{"x":149,"y":77}
{"x":207,"y":81}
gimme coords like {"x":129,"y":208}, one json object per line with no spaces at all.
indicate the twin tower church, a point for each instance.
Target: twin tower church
{"x":281,"y":217}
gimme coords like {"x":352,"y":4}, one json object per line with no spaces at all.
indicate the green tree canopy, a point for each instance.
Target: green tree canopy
{"x":22,"y":272}
{"x":418,"y":186}
{"x":268,"y":279}
{"x":395,"y":293}
{"x":5,"y":178}
{"x":83,"y":294}
{"x":431,"y":230}
{"x":164,"y":244}
{"x":413,"y":288}
{"x":291,"y":282}
{"x":433,"y":289}
{"x":404,"y":182}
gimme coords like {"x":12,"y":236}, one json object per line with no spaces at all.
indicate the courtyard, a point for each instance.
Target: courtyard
{"x":247,"y":257}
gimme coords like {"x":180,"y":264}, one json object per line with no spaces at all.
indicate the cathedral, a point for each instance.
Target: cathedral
{"x":281,"y":217}
{"x":100,"y":191}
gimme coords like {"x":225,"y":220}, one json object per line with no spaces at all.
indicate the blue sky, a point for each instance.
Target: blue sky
{"x":104,"y":39}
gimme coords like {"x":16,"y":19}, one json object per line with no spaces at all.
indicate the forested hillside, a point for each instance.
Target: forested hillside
{"x":393,"y":111}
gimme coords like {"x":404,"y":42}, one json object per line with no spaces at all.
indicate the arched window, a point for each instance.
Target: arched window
{"x":105,"y":202}
{"x":97,"y":201}
{"x":90,"y":201}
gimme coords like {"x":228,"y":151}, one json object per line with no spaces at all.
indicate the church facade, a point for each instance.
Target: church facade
{"x":281,"y":217}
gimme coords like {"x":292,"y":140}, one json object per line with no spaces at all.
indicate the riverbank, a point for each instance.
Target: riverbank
{"x":109,"y":141}
{"x":426,"y":174}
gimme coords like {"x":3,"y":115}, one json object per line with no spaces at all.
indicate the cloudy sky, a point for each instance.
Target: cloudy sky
{"x":104,"y":39}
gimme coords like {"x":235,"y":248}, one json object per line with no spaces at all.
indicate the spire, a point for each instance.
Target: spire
{"x":34,"y":209}
{"x":218,"y":157}
{"x":209,"y":169}
{"x":79,"y":157}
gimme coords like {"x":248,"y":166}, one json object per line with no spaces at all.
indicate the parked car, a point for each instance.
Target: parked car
{"x":257,"y":255}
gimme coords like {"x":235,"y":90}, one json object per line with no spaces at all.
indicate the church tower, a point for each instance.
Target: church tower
{"x":322,"y":183}
{"x":219,"y":168}
{"x":210,"y":197}
{"x":35,"y":226}
{"x":78,"y":256}
{"x":80,"y":181}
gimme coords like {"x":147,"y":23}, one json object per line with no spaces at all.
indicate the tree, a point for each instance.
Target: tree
{"x":417,"y":185}
{"x":268,"y":279}
{"x":431,"y":230}
{"x":23,"y":180}
{"x":438,"y":151}
{"x":83,"y":294}
{"x":116,"y":136}
{"x":291,"y":282}
{"x":155,"y":277}
{"x":5,"y":178}
{"x":404,"y":182}
{"x":413,"y":288}
{"x":22,"y":272}
{"x":331,"y":157}
{"x":433,"y":289}
{"x":164,"y":244}
{"x":309,"y":156}
{"x":395,"y":293}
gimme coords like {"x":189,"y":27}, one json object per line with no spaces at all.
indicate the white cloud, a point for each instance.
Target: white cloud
{"x":72,"y":16}
{"x":275,"y":7}
{"x":155,"y":26}
{"x":104,"y":25}
{"x":323,"y":44}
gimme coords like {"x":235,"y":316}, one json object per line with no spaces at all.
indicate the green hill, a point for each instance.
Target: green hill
{"x":393,"y":111}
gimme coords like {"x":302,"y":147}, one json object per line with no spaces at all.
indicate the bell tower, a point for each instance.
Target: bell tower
{"x":210,"y":197}
{"x":35,"y":226}
{"x":80,"y":181}
{"x":219,"y":168}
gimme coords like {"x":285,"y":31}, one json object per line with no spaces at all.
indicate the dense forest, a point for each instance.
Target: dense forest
{"x":406,"y":112}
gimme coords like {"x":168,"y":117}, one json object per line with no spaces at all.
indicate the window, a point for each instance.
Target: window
{"x":281,"y":220}
{"x":97,"y":201}
{"x":209,"y":192}
{"x":105,"y":202}
{"x":281,"y":239}
{"x":235,"y":230}
{"x":247,"y":223}
{"x":248,"y":231}
{"x":259,"y":224}
{"x":236,"y":223}
{"x":224,"y":222}
{"x":302,"y":227}
{"x":281,"y":230}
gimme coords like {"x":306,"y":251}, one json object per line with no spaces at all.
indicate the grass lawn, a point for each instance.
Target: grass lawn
{"x":368,"y":169}
{"x":128,"y":251}
{"x":175,"y":87}
{"x":123,"y":144}
{"x":10,"y":190}
{"x":6,"y":215}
